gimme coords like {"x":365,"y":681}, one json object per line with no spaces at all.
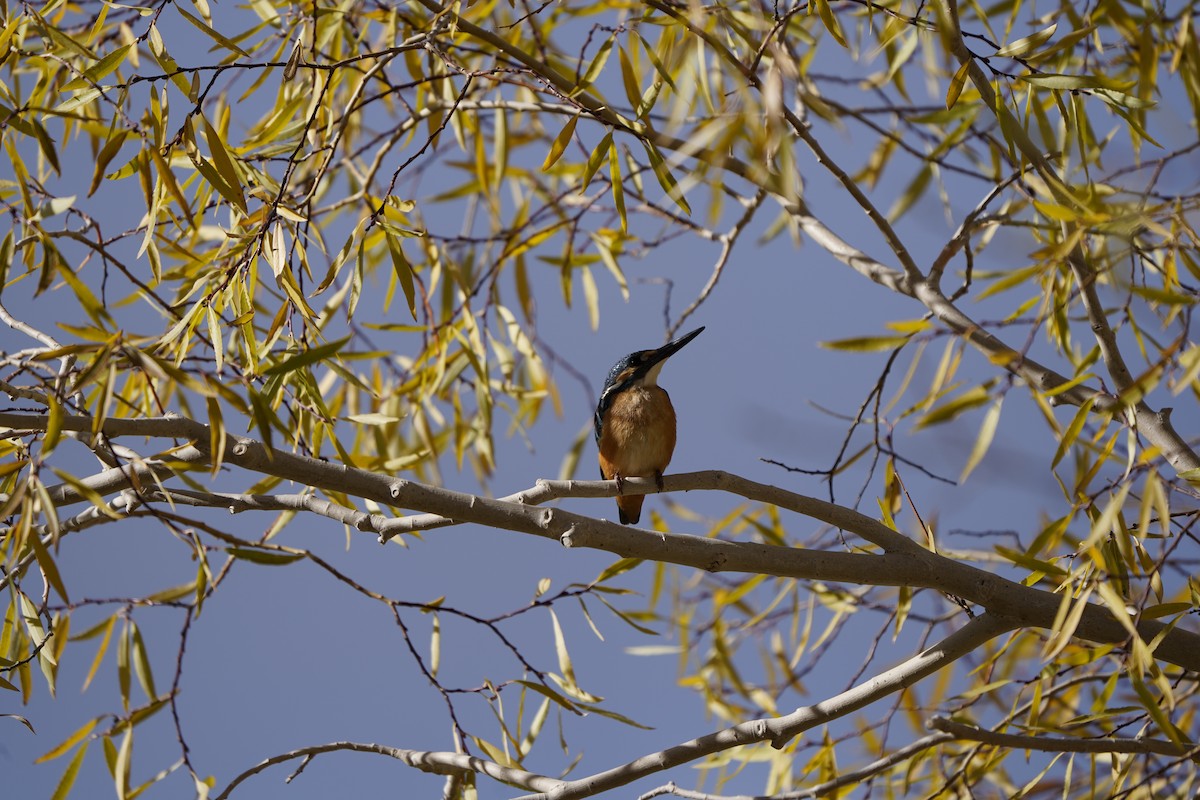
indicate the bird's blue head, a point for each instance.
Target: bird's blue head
{"x":637,"y":369}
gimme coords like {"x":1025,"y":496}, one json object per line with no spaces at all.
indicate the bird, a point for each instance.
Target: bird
{"x":635,"y":423}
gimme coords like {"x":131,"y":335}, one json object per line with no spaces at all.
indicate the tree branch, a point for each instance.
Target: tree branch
{"x":1061,"y":744}
{"x":779,"y":730}
{"x":903,"y":562}
{"x":438,"y":763}
{"x":1155,"y":425}
{"x":852,"y":778}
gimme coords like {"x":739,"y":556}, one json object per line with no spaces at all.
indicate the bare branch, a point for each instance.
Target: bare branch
{"x":778,"y":731}
{"x":1060,"y":744}
{"x":904,"y":562}
{"x":1105,"y":337}
{"x":437,"y":763}
{"x":852,"y":777}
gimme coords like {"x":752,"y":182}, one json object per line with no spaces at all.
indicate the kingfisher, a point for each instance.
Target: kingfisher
{"x":635,"y":423}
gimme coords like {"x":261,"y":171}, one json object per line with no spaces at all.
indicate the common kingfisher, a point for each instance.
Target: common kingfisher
{"x":635,"y":423}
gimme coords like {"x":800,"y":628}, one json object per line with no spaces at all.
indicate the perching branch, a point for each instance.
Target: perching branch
{"x":903,"y":562}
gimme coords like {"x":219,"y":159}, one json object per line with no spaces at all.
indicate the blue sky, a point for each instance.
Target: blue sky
{"x":285,"y":657}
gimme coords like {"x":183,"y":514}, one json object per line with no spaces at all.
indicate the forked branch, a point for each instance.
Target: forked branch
{"x":902,"y":562}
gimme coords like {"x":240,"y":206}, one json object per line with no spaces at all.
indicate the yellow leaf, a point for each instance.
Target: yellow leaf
{"x":1072,"y":433}
{"x":595,"y":159}
{"x":224,"y":166}
{"x":212,"y":33}
{"x":72,"y":740}
{"x":665,"y":179}
{"x":956,"y":84}
{"x":1025,"y":44}
{"x":987,"y":431}
{"x":560,"y":647}
{"x":98,"y":71}
{"x":49,"y":568}
{"x":866,"y":344}
{"x":952,"y":408}
{"x":559,"y":145}
{"x":618,"y":190}
{"x":830,"y":21}
{"x":591,"y":296}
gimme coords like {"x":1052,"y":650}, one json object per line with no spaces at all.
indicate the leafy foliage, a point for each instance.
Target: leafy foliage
{"x":334,"y":233}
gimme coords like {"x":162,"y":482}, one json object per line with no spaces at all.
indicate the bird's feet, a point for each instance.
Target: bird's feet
{"x":658,"y":479}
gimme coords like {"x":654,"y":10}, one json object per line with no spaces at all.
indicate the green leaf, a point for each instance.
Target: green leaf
{"x":1011,"y":278}
{"x":952,"y":408}
{"x":123,"y":674}
{"x":1155,"y":708}
{"x":546,"y":691}
{"x":956,"y":84}
{"x":597,"y":65}
{"x":75,"y":738}
{"x":1047,"y":80}
{"x":1121,"y":100}
{"x":223,"y":162}
{"x":404,"y":272}
{"x":141,"y":663}
{"x":596,"y":159}
{"x":665,"y":179}
{"x":633,"y":91}
{"x":56,"y":35}
{"x":123,"y":763}
{"x":107,"y":626}
{"x":668,"y":45}
{"x":69,"y":774}
{"x":1030,"y":563}
{"x":1164,"y":296}
{"x":559,"y":145}
{"x":618,"y":189}
{"x":1166,"y":610}
{"x":98,"y":71}
{"x":220,"y":39}
{"x":90,"y":494}
{"x":49,"y":568}
{"x":307,"y":357}
{"x":987,"y":431}
{"x":912,"y":193}
{"x":1072,"y":432}
{"x":830,"y":21}
{"x":1023,"y":45}
{"x":616,"y":568}
{"x":621,"y":718}
{"x":267,"y":557}
{"x":866,"y":344}
{"x":564,"y":657}
{"x":54,"y":421}
{"x":7,"y":250}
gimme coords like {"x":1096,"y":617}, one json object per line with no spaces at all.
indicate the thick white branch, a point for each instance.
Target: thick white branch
{"x":903,"y":562}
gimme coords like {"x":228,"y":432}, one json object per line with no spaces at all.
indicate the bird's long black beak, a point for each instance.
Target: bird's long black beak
{"x":671,"y":348}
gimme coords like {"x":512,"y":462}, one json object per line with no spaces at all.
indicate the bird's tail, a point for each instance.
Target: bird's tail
{"x":630,"y":508}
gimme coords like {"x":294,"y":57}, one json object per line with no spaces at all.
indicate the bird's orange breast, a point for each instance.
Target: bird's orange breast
{"x":638,"y":433}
